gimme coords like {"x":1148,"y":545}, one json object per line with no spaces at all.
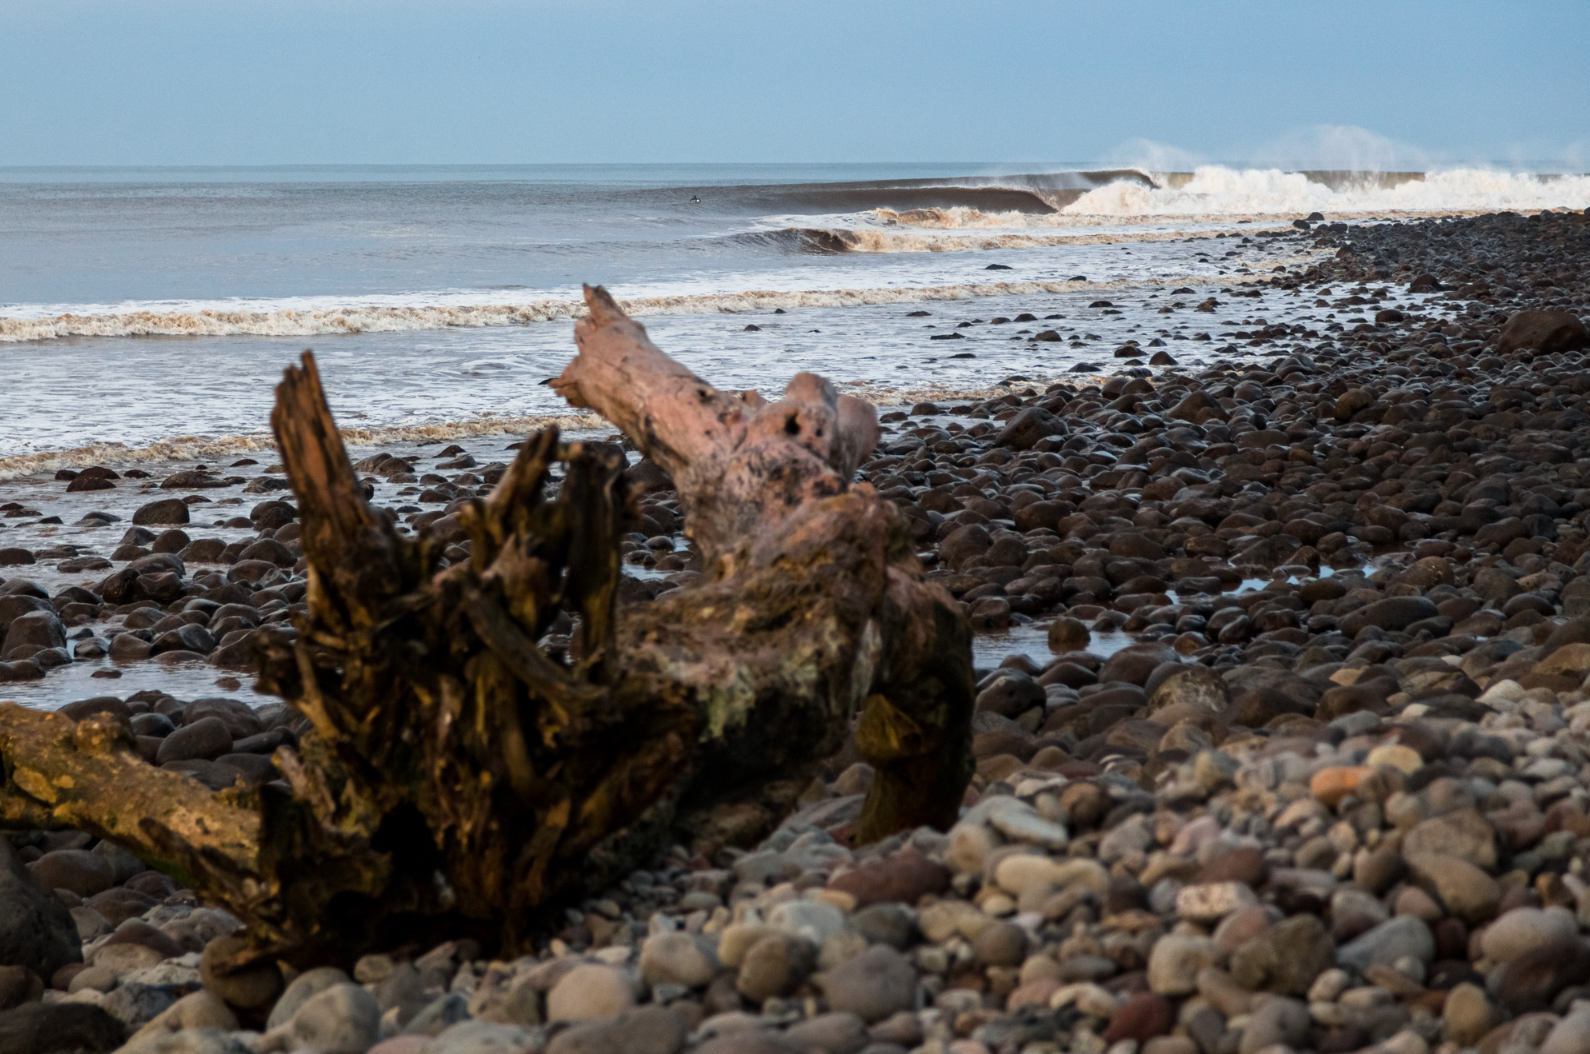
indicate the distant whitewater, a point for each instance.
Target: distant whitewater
{"x":153,"y":310}
{"x":306,"y":258}
{"x":1216,"y":192}
{"x":1219,"y":191}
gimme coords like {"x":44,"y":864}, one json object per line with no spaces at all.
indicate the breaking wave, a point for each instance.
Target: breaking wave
{"x":877,"y":241}
{"x":833,"y":240}
{"x":1213,"y":191}
{"x":1216,"y":191}
{"x":1035,"y":193}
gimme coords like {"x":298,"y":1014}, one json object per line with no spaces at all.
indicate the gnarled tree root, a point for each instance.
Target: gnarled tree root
{"x":456,"y":776}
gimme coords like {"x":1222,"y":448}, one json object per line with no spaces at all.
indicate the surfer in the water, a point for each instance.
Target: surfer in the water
{"x":694,"y":200}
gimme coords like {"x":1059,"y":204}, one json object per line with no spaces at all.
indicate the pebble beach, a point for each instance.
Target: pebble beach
{"x":1280,"y":586}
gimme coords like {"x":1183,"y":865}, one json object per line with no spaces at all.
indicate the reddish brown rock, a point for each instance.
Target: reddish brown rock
{"x":1331,"y":785}
{"x":1543,"y":331}
{"x":1243,"y":863}
{"x":904,"y":878}
{"x":1142,"y":1017}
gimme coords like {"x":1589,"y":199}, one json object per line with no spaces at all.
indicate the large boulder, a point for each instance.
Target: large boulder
{"x":1464,"y":834}
{"x":1286,"y":957}
{"x":1532,"y":980}
{"x":84,"y":873}
{"x":1392,"y":613}
{"x":165,"y":511}
{"x":14,"y":605}
{"x":1134,"y":663}
{"x":1463,"y":889}
{"x":36,"y":930}
{"x":1011,"y":695}
{"x":1193,"y":685}
{"x":271,"y":550}
{"x":1405,"y":935}
{"x":241,"y":720}
{"x":59,"y":1028}
{"x":206,"y":739}
{"x":183,"y":638}
{"x":1544,"y":331}
{"x":964,"y":544}
{"x":1195,"y":405}
{"x":270,"y":515}
{"x":36,"y":629}
{"x":1030,"y":425}
{"x":117,"y":588}
{"x":873,"y":985}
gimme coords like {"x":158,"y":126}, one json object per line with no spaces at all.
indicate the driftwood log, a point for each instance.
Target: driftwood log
{"x":457,"y":777}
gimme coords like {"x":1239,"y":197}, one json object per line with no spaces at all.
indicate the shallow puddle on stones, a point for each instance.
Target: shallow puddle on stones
{"x":990,"y":649}
{"x":190,"y":680}
{"x":50,"y":497}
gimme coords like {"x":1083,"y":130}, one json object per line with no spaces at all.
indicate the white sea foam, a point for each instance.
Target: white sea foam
{"x":1211,"y":195}
{"x":579,"y":423}
{"x":190,"y":448}
{"x":1216,"y":194}
{"x":1218,"y":191}
{"x":876,"y":241}
{"x":389,"y":318}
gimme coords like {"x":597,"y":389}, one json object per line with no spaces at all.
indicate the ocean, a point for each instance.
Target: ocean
{"x":149,"y":312}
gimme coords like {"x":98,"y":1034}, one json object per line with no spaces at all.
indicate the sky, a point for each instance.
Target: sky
{"x":1388,"y":84}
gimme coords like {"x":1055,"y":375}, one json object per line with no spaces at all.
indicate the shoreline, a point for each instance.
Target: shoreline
{"x":973,"y":377}
{"x":337,"y":321}
{"x":1331,"y":792}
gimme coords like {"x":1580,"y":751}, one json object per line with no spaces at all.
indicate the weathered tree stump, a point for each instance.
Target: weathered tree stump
{"x":457,"y":777}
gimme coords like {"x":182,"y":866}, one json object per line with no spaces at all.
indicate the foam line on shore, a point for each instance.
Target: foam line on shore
{"x":867,"y":240}
{"x":1225,"y":222}
{"x":194,"y":448}
{"x":334,"y":321}
{"x":972,"y":220}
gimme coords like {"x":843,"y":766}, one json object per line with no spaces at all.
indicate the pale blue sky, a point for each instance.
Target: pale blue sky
{"x":284,"y":82}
